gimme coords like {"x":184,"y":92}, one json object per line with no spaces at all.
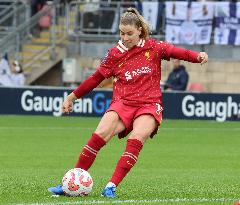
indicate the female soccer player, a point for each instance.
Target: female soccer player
{"x":136,"y":107}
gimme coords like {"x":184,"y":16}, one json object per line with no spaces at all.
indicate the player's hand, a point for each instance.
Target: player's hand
{"x":202,"y":57}
{"x":67,"y":106}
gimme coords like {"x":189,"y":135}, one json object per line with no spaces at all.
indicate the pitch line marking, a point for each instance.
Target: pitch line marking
{"x":197,"y":200}
{"x":91,"y":128}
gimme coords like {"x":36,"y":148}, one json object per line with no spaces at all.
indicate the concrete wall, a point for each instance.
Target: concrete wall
{"x":216,"y":76}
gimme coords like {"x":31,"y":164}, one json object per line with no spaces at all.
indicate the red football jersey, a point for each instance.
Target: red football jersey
{"x":137,"y":71}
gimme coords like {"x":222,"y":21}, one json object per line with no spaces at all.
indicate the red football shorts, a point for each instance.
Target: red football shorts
{"x":129,"y":113}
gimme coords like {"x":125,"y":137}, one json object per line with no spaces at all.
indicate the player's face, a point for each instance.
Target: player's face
{"x":129,"y":35}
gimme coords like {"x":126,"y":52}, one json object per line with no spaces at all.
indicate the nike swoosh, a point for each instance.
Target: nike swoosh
{"x":129,"y":163}
{"x":85,"y":155}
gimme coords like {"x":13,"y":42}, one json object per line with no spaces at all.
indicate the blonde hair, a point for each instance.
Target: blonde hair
{"x":132,"y":17}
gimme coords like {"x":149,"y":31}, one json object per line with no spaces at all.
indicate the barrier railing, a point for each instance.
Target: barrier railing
{"x":99,"y":20}
{"x":12,"y":13}
{"x":14,"y":41}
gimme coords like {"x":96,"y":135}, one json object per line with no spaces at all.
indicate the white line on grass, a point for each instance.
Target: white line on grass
{"x":230,"y":129}
{"x":47,"y":128}
{"x":197,"y":200}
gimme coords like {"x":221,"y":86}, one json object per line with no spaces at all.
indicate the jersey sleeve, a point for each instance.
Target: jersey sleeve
{"x":184,"y":54}
{"x":165,"y":49}
{"x":168,"y":51}
{"x":89,"y":84}
{"x":107,"y":65}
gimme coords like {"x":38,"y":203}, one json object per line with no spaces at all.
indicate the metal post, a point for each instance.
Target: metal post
{"x":17,"y":46}
{"x":28,"y":16}
{"x":67,"y":13}
{"x":53,"y":32}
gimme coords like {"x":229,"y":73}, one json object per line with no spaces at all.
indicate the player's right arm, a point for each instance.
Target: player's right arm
{"x":84,"y":88}
{"x":104,"y":71}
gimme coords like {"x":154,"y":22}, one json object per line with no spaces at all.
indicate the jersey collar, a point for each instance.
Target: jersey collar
{"x":141,"y":43}
{"x":122,"y":48}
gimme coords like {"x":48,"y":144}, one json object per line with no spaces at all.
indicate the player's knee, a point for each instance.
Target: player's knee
{"x":104,"y":132}
{"x":107,"y":126}
{"x":142,"y":137}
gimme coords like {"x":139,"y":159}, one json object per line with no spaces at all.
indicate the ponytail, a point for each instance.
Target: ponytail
{"x":132,"y":17}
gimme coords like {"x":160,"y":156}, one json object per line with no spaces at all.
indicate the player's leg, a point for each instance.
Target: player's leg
{"x":143,"y":127}
{"x":109,"y":125}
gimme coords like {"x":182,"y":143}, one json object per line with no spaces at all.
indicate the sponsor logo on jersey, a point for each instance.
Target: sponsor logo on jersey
{"x":139,"y":71}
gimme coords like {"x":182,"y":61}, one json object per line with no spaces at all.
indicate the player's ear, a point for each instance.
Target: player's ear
{"x":140,"y":30}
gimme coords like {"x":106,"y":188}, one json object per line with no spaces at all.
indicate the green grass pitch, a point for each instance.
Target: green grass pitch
{"x":187,"y":162}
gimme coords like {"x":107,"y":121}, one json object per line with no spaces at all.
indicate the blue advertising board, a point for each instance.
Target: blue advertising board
{"x":177,"y":105}
{"x":202,"y":106}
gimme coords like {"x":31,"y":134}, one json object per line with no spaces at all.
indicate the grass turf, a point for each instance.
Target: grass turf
{"x":188,"y":162}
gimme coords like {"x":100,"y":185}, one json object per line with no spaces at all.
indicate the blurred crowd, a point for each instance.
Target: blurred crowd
{"x":11,"y":74}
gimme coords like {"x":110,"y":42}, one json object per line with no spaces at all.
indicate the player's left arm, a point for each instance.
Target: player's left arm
{"x":188,"y":55}
{"x":168,"y":51}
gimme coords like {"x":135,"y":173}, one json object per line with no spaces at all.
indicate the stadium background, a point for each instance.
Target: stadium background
{"x":62,"y":44}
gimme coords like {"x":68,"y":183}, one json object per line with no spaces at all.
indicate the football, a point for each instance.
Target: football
{"x":77,"y":182}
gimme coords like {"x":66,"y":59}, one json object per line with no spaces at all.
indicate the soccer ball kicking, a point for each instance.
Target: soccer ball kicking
{"x":136,"y":107}
{"x":77,"y":182}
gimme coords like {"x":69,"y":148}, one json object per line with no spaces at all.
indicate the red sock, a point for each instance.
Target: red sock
{"x":127,"y":160}
{"x":89,"y":152}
